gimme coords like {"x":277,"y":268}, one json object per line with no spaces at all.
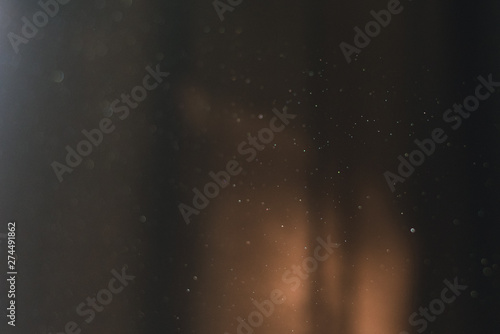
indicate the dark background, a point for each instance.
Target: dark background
{"x":120,"y":206}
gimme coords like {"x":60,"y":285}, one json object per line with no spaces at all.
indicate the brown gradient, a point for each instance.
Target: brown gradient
{"x":264,"y":222}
